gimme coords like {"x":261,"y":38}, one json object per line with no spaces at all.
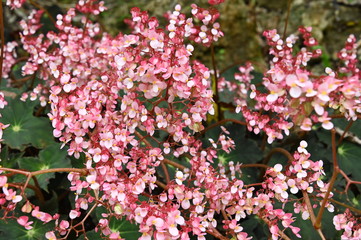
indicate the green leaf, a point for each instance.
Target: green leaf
{"x":343,"y":123}
{"x":25,"y":129}
{"x":348,"y":155}
{"x":10,"y":229}
{"x":90,"y":235}
{"x":226,"y":95}
{"x":125,"y":228}
{"x":50,"y":157}
{"x":77,"y":162}
{"x":99,"y":211}
{"x":54,"y":157}
{"x":319,"y":145}
{"x":247,"y":150}
{"x":35,"y":164}
{"x":307,"y":231}
{"x":324,"y":136}
{"x":252,"y":225}
{"x":50,"y":205}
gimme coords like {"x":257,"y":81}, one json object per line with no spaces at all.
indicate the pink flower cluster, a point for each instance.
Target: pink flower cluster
{"x":107,"y":93}
{"x":349,"y":224}
{"x":209,"y":31}
{"x":3,"y":103}
{"x":239,"y":88}
{"x":8,"y":197}
{"x":9,"y":58}
{"x":90,"y":7}
{"x":301,"y":174}
{"x":15,"y":3}
{"x":295,"y":97}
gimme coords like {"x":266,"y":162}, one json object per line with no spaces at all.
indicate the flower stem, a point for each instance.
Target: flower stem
{"x":312,"y":214}
{"x":223,"y":121}
{"x":336,"y":170}
{"x":2,"y":38}
{"x":287,"y":18}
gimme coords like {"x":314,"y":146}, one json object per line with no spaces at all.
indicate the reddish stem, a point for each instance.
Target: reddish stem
{"x":174,"y":164}
{"x":355,"y":210}
{"x":166,"y":173}
{"x":214,"y":232}
{"x":348,"y":180}
{"x":37,"y":190}
{"x":345,"y":132}
{"x":311,"y":212}
{"x":256,"y":165}
{"x":223,"y":121}
{"x":336,"y":171}
{"x":287,"y":18}
{"x":46,"y":11}
{"x":281,"y":233}
{"x":278,"y":150}
{"x":2,"y":38}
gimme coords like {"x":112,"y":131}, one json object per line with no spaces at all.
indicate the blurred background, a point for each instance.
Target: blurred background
{"x":242,"y":22}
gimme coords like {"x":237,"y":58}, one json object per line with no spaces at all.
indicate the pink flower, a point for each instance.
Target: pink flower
{"x":11,"y":196}
{"x":3,"y":181}
{"x":74,"y":214}
{"x":302,"y":147}
{"x":173,"y":230}
{"x":45,"y":217}
{"x":64,"y":225}
{"x":140,"y":213}
{"x":23,"y":221}
{"x":156,"y":221}
{"x":295,"y":91}
{"x":120,"y":61}
{"x":325,"y":88}
{"x":145,"y":236}
{"x":91,"y":179}
{"x":139,"y":186}
{"x":179,"y":177}
{"x":275,"y":92}
{"x":326,"y":123}
{"x":300,"y":172}
{"x":292,"y":184}
{"x":50,"y":236}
